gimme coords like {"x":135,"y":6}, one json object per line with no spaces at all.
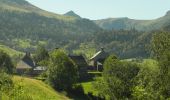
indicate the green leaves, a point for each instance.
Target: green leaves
{"x":41,"y":56}
{"x":62,"y":72}
{"x":6,"y":63}
{"x":117,"y":78}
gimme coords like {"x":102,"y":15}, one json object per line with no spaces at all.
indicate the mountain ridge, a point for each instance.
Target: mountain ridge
{"x":72,"y":14}
{"x":127,"y":23}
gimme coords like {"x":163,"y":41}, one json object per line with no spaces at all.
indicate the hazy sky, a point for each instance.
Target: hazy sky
{"x":99,"y":9}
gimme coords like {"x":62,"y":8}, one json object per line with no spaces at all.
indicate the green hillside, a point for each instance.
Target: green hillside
{"x":36,"y":90}
{"x":10,"y":51}
{"x":25,"y":7}
{"x":24,"y":27}
{"x":27,"y":22}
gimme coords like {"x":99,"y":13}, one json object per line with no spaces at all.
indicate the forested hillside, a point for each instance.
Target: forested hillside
{"x":22,"y":22}
{"x":23,"y":27}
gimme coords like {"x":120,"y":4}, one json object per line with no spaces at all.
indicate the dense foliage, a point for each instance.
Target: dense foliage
{"x":6,"y":64}
{"x":41,"y":56}
{"x":6,"y":84}
{"x":62,"y":72}
{"x":117,"y":78}
{"x":161,"y":49}
{"x":143,"y":81}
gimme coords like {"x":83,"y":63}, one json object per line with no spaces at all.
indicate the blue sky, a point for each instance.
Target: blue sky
{"x":100,"y":9}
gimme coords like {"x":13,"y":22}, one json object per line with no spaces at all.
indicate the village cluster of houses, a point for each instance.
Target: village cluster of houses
{"x":27,"y":66}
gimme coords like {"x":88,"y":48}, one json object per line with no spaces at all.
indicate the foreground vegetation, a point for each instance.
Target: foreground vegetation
{"x":31,"y":89}
{"x":38,"y":90}
{"x":120,"y":80}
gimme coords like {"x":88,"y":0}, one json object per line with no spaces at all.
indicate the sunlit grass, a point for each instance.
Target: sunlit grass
{"x":38,"y":90}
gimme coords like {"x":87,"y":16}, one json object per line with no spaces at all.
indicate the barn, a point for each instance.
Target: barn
{"x":98,"y":59}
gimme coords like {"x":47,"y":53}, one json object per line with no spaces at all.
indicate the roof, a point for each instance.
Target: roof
{"x":26,"y":62}
{"x":100,"y":55}
{"x":23,"y":65}
{"x":79,"y":60}
{"x":95,"y":55}
{"x":79,"y":57}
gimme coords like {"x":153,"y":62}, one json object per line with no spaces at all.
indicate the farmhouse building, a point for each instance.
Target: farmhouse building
{"x":25,"y":65}
{"x":81,"y":62}
{"x":98,"y":59}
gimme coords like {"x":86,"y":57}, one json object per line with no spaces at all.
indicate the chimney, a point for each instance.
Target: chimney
{"x":28,"y":54}
{"x":102,"y":49}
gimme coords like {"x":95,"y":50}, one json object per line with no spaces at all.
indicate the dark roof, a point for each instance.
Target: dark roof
{"x":26,"y":62}
{"x":78,"y":59}
{"x":23,"y":65}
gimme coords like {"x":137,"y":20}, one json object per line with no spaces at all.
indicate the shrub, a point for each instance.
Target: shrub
{"x":62,"y":72}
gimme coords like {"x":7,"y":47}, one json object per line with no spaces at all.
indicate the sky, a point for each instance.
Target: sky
{"x":101,"y":9}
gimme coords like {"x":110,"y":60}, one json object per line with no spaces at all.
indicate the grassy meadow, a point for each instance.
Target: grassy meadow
{"x":34,"y":90}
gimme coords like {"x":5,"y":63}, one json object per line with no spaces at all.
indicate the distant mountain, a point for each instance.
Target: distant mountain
{"x":21,"y":20}
{"x":72,"y":14}
{"x":118,"y":23}
{"x":127,"y":24}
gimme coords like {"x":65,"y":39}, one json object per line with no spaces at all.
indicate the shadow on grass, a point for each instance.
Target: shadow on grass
{"x":77,"y":93}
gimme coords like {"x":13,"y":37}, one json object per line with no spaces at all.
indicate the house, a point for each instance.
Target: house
{"x":81,"y":63}
{"x":98,"y":59}
{"x":39,"y":69}
{"x":25,"y":65}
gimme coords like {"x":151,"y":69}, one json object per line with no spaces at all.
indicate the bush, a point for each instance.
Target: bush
{"x":62,"y":72}
{"x":6,"y":64}
{"x":117,"y":79}
{"x":6,"y":84}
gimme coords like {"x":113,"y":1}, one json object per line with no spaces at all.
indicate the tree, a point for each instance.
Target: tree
{"x":161,"y":49}
{"x":145,"y":85}
{"x":62,"y":72}
{"x":6,"y":64}
{"x":118,"y":78}
{"x":41,"y":56}
{"x":160,"y":44}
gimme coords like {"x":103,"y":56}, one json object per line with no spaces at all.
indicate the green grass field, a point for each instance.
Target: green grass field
{"x":36,"y":90}
{"x":88,"y":88}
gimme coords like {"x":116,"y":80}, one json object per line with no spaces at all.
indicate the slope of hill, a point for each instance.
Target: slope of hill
{"x":118,"y":23}
{"x":23,"y":26}
{"x":127,"y":24}
{"x":21,"y":20}
{"x":10,"y":51}
{"x":26,"y":7}
{"x":36,"y":90}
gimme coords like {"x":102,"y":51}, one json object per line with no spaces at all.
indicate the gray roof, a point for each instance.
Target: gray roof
{"x":23,"y":65}
{"x":26,"y":62}
{"x":79,"y":60}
